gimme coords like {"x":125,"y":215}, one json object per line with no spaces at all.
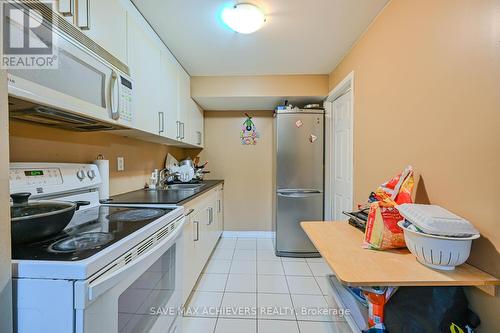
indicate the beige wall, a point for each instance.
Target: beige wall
{"x":246,"y":170}
{"x":427,"y":93}
{"x":5,"y":264}
{"x":32,"y":143}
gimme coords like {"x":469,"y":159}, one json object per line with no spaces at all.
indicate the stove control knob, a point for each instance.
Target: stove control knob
{"x":91,"y":174}
{"x":80,"y":174}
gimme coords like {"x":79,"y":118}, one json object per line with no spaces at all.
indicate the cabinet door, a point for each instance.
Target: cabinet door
{"x":184,"y":104}
{"x":196,"y":125}
{"x":144,"y":61}
{"x":108,"y":26}
{"x":220,"y":210}
{"x":213,"y":224}
{"x":200,"y":239}
{"x":169,"y":93}
{"x":188,"y":266}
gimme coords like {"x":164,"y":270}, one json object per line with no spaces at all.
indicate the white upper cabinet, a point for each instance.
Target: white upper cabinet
{"x":169,"y":94}
{"x":183,"y":105}
{"x":106,"y":25}
{"x":104,"y":21}
{"x":144,"y":58}
{"x":161,"y":88}
{"x":196,"y":125}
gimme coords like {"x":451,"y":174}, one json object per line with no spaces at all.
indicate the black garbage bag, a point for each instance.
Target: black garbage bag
{"x":429,"y":310}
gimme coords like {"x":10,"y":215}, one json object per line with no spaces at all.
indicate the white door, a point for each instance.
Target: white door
{"x":342,"y":156}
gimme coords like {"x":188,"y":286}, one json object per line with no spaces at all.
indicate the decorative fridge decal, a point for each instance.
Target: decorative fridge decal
{"x":248,"y":132}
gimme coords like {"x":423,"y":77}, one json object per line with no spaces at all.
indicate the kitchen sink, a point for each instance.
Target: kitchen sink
{"x":184,"y":186}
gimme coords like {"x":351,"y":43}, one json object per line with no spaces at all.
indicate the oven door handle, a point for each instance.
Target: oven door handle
{"x":100,"y":285}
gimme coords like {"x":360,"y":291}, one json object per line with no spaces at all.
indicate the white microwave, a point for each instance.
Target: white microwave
{"x":90,"y":89}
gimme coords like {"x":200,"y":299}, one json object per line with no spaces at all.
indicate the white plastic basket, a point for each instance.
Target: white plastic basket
{"x":438,"y":252}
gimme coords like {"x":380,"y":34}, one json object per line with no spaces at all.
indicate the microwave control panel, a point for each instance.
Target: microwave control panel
{"x":125,"y":104}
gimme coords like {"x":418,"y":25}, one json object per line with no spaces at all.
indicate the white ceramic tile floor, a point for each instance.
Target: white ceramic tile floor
{"x":197,"y":325}
{"x":269,"y":268}
{"x":217,"y":266}
{"x":320,"y":268}
{"x":245,"y":255}
{"x":246,"y":288}
{"x":225,"y":325}
{"x":273,"y":284}
{"x":223,"y":254}
{"x":204,"y":304}
{"x":305,"y":285}
{"x":323,"y":283}
{"x":212,"y":282}
{"x":296,"y":268}
{"x":239,"y":305}
{"x":241,"y":283}
{"x":246,"y":244}
{"x":275,"y":306}
{"x":274,"y":326}
{"x":243,"y":267}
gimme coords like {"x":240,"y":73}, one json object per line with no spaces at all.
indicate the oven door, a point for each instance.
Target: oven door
{"x":144,"y":295}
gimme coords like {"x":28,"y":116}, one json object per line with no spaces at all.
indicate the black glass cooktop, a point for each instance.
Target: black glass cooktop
{"x":90,"y":231}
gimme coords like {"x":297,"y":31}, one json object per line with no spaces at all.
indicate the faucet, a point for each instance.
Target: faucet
{"x":165,"y":176}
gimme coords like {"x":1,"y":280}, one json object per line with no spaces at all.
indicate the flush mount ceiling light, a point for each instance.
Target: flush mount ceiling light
{"x":244,"y":18}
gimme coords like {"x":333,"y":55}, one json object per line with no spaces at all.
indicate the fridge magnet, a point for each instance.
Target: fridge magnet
{"x":312,"y":138}
{"x":299,"y":123}
{"x":248,"y":134}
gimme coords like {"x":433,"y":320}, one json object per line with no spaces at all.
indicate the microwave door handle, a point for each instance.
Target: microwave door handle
{"x":113,"y":96}
{"x":103,"y":283}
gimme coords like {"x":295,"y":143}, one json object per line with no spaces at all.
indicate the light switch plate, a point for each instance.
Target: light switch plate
{"x":120,"y":163}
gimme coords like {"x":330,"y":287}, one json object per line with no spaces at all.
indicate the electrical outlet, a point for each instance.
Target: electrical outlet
{"x":120,"y":163}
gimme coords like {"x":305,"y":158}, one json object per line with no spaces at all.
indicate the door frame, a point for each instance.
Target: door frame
{"x":344,"y":86}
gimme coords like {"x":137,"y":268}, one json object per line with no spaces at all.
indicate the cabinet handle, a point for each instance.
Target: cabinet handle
{"x":183,"y":133}
{"x":178,"y":123}
{"x":199,"y":137}
{"x":161,"y":122}
{"x":67,"y":7}
{"x":197,"y":231}
{"x":210,"y":215}
{"x":219,"y":206}
{"x":83,"y":14}
{"x":189,"y":213}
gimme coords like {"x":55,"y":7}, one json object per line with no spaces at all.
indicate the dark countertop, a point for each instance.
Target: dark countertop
{"x":172,"y":197}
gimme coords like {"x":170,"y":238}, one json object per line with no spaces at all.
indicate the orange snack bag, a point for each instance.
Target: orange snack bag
{"x":382,"y":231}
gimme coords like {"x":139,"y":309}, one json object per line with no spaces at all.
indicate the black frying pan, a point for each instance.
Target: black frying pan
{"x":32,"y":221}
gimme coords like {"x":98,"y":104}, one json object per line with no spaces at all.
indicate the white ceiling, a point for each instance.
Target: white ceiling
{"x":299,"y":37}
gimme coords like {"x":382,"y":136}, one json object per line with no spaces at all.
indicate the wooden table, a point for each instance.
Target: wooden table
{"x":340,"y":245}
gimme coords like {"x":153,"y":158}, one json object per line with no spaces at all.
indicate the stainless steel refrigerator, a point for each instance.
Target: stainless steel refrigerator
{"x":298,"y":178}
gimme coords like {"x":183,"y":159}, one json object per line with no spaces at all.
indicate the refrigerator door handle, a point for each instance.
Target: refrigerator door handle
{"x":298,"y":190}
{"x":298,"y":193}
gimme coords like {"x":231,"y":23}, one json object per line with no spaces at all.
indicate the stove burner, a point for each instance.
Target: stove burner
{"x":134,"y":215}
{"x":80,"y":242}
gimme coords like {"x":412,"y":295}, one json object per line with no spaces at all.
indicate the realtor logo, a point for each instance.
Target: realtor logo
{"x":28,"y":38}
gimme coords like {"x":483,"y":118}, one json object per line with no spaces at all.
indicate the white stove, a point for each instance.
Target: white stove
{"x":110,"y":270}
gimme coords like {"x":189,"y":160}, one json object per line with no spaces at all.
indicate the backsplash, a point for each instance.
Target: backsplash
{"x":34,"y":143}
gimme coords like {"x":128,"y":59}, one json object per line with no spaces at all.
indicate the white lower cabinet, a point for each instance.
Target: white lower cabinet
{"x":201,"y":233}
